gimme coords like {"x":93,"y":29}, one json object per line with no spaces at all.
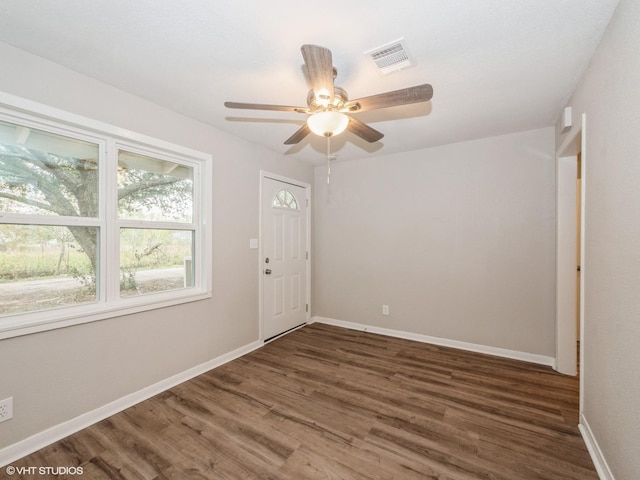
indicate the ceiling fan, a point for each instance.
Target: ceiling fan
{"x":328,"y":106}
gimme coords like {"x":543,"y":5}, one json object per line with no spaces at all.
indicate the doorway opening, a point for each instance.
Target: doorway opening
{"x":578,"y":251}
{"x":570,"y":200}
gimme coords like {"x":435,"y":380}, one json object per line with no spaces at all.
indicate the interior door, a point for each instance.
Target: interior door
{"x":284,"y":261}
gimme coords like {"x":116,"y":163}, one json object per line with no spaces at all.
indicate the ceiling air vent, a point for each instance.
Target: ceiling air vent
{"x":391,"y":57}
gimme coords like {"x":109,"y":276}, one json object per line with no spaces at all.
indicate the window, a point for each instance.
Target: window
{"x":49,"y":196}
{"x":95,"y":225}
{"x":154,"y":193}
{"x":285,"y":199}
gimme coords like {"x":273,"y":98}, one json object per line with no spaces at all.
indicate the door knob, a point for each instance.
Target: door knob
{"x":267,"y":271}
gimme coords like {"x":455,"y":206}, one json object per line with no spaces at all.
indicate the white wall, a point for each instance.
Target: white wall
{"x":609,"y":94}
{"x":58,"y":375}
{"x":458,"y":240}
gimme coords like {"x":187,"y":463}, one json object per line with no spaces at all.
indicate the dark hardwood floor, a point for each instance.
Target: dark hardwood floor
{"x":329,"y":403}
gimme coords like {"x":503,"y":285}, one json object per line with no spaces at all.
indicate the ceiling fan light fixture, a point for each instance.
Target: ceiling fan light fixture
{"x":328,"y":123}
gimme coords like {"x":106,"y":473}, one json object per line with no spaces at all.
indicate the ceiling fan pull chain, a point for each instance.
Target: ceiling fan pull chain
{"x":328,"y":159}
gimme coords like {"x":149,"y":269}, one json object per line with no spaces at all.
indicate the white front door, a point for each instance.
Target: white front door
{"x":284,"y":262}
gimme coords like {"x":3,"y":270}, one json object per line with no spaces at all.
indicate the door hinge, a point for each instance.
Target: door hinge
{"x":307,"y":256}
{"x":307,"y":202}
{"x":307,"y":307}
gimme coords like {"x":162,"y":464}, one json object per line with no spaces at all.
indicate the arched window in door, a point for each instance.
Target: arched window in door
{"x":285,"y":199}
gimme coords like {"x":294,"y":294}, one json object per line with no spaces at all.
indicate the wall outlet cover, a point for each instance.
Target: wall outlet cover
{"x":6,"y":409}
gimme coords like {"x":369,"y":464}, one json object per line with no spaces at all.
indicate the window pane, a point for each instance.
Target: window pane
{"x":153,"y":260}
{"x":154,"y":189}
{"x":47,"y":174}
{"x":285,"y":199}
{"x":46,"y":266}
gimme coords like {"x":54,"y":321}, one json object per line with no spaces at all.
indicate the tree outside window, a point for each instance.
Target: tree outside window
{"x":55,"y":212}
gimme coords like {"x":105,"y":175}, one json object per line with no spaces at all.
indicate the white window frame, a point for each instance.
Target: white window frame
{"x":109,"y":139}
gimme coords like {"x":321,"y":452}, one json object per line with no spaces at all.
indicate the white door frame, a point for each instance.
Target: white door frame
{"x":572,"y":145}
{"x":307,"y":188}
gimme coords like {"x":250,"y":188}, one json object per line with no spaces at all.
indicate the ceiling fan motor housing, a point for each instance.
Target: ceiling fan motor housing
{"x":339,"y":99}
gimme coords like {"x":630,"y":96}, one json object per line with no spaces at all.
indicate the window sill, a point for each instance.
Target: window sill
{"x":29,"y":323}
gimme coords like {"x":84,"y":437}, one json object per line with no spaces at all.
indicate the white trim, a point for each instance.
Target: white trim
{"x":307,"y":188}
{"x":281,"y":178}
{"x":471,"y":347}
{"x":604,"y":472}
{"x":583,"y":236}
{"x":47,"y":437}
{"x":15,"y":326}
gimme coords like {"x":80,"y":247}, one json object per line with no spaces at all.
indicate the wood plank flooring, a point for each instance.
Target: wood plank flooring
{"x":329,"y":403}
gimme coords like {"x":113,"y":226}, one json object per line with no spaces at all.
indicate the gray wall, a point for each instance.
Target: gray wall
{"x":609,"y":94}
{"x":61,"y":374}
{"x":458,"y":240}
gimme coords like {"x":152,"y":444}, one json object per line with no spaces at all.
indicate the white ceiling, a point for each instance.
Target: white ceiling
{"x":496,"y":66}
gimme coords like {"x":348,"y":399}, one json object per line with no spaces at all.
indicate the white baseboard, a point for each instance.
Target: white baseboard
{"x":472,"y":347}
{"x":47,"y":437}
{"x":604,"y":472}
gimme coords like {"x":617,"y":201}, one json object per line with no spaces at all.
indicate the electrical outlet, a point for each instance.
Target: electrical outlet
{"x":6,"y":409}
{"x":385,"y":309}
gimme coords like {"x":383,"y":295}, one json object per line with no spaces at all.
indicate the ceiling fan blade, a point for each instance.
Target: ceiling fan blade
{"x":404,"y":96}
{"x":319,"y":64}
{"x":363,"y":130}
{"x":262,"y":106}
{"x":298,"y":136}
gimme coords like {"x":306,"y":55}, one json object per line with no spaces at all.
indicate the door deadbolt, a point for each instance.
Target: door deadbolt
{"x":266,"y":260}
